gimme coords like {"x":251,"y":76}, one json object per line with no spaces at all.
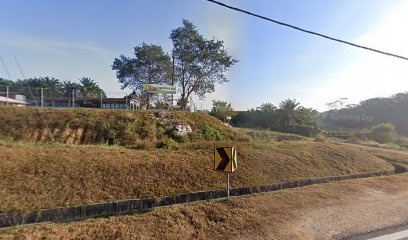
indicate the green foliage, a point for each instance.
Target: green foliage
{"x":370,"y":113}
{"x":167,"y":143}
{"x":52,"y":87}
{"x":222,"y":110}
{"x":383,"y":133}
{"x":69,"y":86}
{"x":211,"y":134}
{"x":178,"y":137}
{"x":89,"y":88}
{"x":4,"y":82}
{"x":150,"y":65}
{"x":289,"y":117}
{"x":199,"y":63}
{"x":134,"y":129}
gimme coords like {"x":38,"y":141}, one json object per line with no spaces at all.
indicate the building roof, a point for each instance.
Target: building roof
{"x":11,"y":100}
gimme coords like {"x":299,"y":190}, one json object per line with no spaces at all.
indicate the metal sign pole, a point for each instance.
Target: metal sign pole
{"x":101,"y":99}
{"x":42,"y":97}
{"x":73,"y":98}
{"x":7,"y":95}
{"x":228,"y":185}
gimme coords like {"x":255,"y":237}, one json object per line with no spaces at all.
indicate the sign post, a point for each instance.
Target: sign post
{"x":228,"y":185}
{"x":225,"y":160}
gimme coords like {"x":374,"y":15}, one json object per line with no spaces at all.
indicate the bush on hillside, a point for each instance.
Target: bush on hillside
{"x":383,"y":133}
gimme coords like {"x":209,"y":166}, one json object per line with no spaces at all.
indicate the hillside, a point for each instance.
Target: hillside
{"x":369,"y":113}
{"x":37,"y":176}
{"x":137,"y":129}
{"x":107,"y":155}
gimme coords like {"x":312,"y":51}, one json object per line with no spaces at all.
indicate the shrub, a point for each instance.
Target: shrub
{"x":167,"y":143}
{"x":211,"y":134}
{"x":320,"y":138}
{"x":383,"y":133}
{"x":178,"y":137}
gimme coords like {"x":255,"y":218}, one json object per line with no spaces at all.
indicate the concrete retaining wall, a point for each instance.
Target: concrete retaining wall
{"x":132,"y":205}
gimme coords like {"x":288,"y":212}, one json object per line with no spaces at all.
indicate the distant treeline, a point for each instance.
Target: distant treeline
{"x":52,"y":87}
{"x":288,"y":117}
{"x":370,"y":113}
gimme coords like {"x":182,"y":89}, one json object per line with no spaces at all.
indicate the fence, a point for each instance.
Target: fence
{"x":45,"y":97}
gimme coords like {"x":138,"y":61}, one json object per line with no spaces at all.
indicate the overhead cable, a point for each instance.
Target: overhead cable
{"x":309,"y":32}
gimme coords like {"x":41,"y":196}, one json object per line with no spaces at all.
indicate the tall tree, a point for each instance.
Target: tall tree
{"x":89,"y":88}
{"x":150,"y":65}
{"x":287,"y":110}
{"x":4,"y":82}
{"x":267,"y":118}
{"x":199,"y":63}
{"x":69,"y":86}
{"x":222,"y":110}
{"x":52,"y":86}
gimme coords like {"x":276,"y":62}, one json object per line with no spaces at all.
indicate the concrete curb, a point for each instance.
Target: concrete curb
{"x":132,"y":205}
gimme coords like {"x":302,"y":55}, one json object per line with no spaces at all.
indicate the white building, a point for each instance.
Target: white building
{"x":5,"y":101}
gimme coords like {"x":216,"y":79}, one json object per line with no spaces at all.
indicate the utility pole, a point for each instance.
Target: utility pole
{"x":7,"y":95}
{"x":101,"y":100}
{"x":126,"y":106}
{"x":42,"y":97}
{"x":73,"y":98}
{"x":172,"y":82}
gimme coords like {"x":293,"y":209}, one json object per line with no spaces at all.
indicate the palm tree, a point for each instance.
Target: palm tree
{"x":287,"y":110}
{"x":267,"y":115}
{"x":89,"y":87}
{"x":52,"y":86}
{"x":6,"y":82}
{"x":68,"y":86}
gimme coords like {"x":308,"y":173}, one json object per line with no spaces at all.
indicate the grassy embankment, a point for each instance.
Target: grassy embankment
{"x":61,"y":174}
{"x":133,"y":129}
{"x":328,"y":211}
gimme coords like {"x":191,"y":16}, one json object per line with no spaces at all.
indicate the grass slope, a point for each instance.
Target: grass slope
{"x":37,"y":176}
{"x":316,"y":212}
{"x":138,"y":129}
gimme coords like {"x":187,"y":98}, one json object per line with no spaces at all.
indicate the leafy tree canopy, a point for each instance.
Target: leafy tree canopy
{"x":222,"y":110}
{"x":289,"y":117}
{"x":150,"y":65}
{"x":369,"y":113}
{"x":199,"y":63}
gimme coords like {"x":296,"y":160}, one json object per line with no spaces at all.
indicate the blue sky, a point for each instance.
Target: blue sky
{"x":71,"y":39}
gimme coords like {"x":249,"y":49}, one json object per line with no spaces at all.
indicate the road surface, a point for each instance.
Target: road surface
{"x":395,"y":233}
{"x":401,"y":152}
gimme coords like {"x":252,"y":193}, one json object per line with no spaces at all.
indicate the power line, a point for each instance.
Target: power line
{"x":308,"y":31}
{"x":35,"y":101}
{"x":5,"y":67}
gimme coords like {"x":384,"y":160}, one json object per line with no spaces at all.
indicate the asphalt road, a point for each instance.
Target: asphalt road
{"x":394,"y":233}
{"x":401,"y":152}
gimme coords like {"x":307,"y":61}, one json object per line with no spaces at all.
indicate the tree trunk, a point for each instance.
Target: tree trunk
{"x":183,"y":103}
{"x":147,"y":101}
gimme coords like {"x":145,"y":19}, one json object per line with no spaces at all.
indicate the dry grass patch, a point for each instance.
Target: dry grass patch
{"x":392,"y":157}
{"x":37,"y":176}
{"x":315,"y":212}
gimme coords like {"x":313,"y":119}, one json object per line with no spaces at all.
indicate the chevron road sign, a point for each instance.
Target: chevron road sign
{"x":225,"y":159}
